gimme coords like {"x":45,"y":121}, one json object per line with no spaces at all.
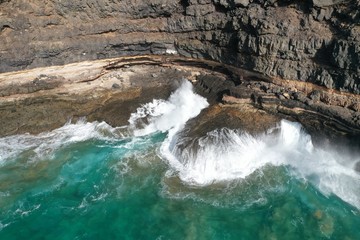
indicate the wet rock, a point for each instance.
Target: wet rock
{"x":86,"y":94}
{"x":246,"y":118}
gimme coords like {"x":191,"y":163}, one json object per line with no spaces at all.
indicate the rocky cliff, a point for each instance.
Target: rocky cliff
{"x":315,"y":41}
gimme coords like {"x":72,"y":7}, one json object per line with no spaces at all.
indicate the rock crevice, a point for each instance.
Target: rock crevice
{"x":315,"y":41}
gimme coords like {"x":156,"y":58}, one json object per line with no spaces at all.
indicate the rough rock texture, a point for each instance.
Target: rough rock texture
{"x":256,"y":106}
{"x":98,"y":90}
{"x":315,"y":41}
{"x":42,"y":99}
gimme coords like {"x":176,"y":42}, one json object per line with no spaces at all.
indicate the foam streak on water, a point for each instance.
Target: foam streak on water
{"x":44,"y":144}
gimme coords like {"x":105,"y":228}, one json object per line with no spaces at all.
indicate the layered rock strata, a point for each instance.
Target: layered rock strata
{"x":313,"y":41}
{"x":110,"y":90}
{"x":42,"y":99}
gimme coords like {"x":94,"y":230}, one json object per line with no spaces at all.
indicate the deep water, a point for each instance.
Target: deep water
{"x":92,"y":181}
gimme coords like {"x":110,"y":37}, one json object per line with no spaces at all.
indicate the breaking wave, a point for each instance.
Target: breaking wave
{"x":225,"y":154}
{"x":44,"y":144}
{"x":221,"y":155}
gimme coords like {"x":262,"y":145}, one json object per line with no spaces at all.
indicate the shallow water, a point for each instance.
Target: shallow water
{"x":91,"y":181}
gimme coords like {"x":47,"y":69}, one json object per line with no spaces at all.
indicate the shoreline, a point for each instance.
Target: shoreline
{"x":42,"y":99}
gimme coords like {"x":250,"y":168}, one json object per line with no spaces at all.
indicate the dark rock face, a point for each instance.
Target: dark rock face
{"x":256,"y":106}
{"x":316,"y":41}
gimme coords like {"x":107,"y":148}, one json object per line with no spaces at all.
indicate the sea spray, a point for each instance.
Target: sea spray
{"x":170,"y":115}
{"x":103,"y":182}
{"x":44,"y":144}
{"x":224,"y":155}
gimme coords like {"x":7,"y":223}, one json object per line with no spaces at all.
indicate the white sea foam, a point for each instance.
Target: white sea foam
{"x":230,"y":154}
{"x":2,"y":226}
{"x":23,"y":212}
{"x":170,"y":115}
{"x":220,"y":156}
{"x":46,"y":143}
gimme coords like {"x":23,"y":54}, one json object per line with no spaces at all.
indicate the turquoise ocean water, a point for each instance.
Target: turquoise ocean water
{"x":91,"y":181}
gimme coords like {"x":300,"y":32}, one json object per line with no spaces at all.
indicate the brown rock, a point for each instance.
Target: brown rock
{"x":276,"y":41}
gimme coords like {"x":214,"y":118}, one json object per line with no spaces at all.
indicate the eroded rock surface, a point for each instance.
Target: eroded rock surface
{"x":42,"y":99}
{"x":99,"y":90}
{"x":256,"y":105}
{"x":313,"y":40}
